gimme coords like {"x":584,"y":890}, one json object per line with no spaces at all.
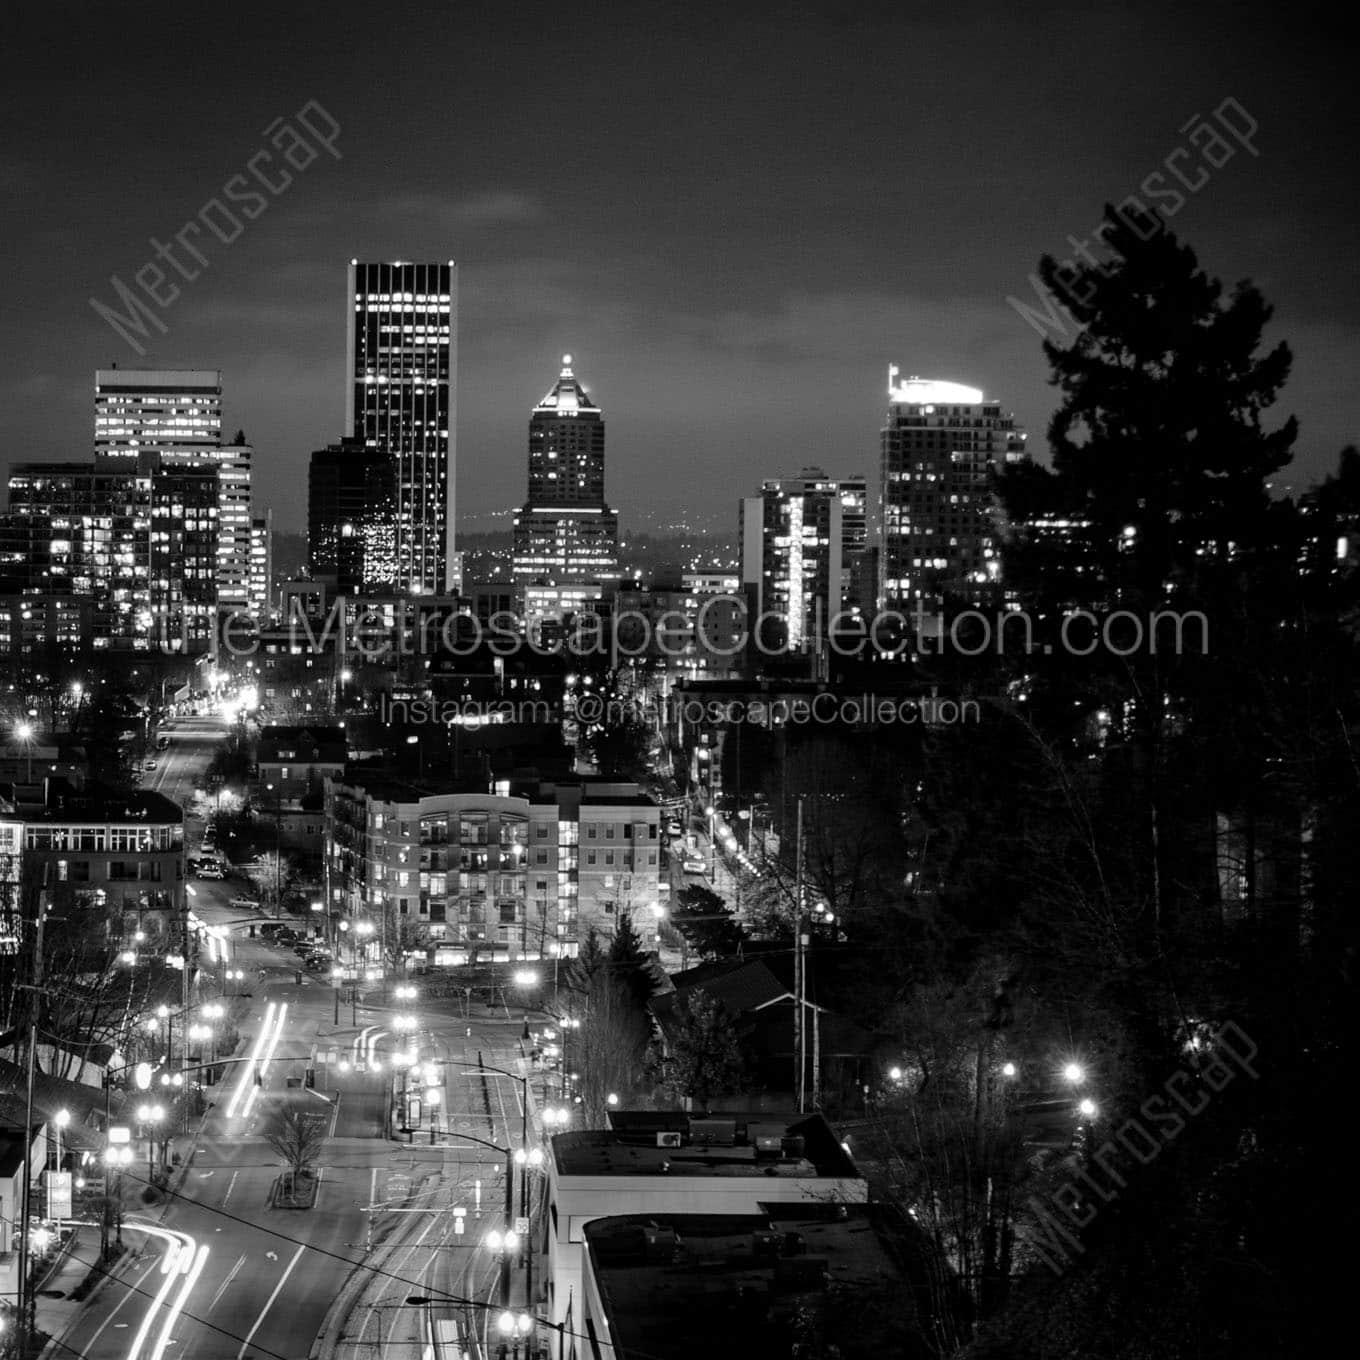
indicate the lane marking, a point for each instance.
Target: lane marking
{"x":231,"y":1185}
{"x":269,"y":1303}
{"x":216,"y":1298}
{"x":131,"y":1290}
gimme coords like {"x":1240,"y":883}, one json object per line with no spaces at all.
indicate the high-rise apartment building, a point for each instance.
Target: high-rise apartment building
{"x":800,"y":541}
{"x":566,"y":539}
{"x":141,"y":410}
{"x":939,"y":519}
{"x":351,"y":517}
{"x":175,"y":416}
{"x":140,"y":541}
{"x":261,"y":582}
{"x":401,"y":383}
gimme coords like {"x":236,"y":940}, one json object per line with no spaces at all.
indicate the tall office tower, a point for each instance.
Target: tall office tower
{"x":800,"y":541}
{"x":139,"y":541}
{"x":351,"y":517}
{"x":234,"y":463}
{"x":566,"y":543}
{"x":141,"y":410}
{"x":183,"y":556}
{"x":401,"y":384}
{"x":940,"y":521}
{"x":261,"y":586}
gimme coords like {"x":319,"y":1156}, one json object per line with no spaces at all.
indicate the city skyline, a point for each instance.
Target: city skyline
{"x":737,"y":275}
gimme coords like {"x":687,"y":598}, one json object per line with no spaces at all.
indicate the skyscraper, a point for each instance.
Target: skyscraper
{"x":566,"y":545}
{"x":800,"y":541}
{"x":939,"y":518}
{"x":173,"y":417}
{"x":401,"y":384}
{"x":143,"y":410}
{"x":234,"y":464}
{"x":351,"y":521}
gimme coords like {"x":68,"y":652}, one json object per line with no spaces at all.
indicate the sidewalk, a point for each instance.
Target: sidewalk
{"x":55,"y":1314}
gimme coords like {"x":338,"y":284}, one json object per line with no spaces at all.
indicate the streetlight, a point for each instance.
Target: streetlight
{"x":1009,"y":1069}
{"x":513,"y":1326}
{"x":61,"y":1120}
{"x":117,"y":1158}
{"x":1074,"y":1073}
{"x":1088,"y":1109}
{"x":24,"y":731}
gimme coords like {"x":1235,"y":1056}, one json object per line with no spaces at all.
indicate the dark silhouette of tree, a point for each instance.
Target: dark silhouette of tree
{"x":298,"y":1137}
{"x":702,"y":1059}
{"x":708,"y":924}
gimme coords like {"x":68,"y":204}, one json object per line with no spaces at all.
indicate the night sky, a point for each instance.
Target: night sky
{"x":734,"y":216}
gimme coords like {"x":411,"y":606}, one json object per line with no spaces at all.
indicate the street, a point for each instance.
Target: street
{"x":216,"y":1273}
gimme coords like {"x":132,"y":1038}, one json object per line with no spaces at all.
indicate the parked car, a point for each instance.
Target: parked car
{"x":211,"y":869}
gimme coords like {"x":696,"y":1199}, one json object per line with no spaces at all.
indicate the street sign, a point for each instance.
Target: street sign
{"x":59,"y":1194}
{"x":94,"y":1187}
{"x":521,"y":1225}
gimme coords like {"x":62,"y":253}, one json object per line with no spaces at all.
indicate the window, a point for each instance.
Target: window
{"x":591,"y":856}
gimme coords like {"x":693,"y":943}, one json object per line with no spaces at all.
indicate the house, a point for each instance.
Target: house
{"x":17,"y":1155}
{"x":759,"y":994}
{"x":296,"y":761}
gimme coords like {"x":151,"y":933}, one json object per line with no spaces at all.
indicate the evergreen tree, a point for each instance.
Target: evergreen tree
{"x":704,"y":1058}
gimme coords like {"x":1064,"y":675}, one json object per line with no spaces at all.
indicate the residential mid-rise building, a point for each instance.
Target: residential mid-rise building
{"x":351,"y":517}
{"x":939,"y":519}
{"x":518,"y":873}
{"x":801,"y":539}
{"x":114,"y":858}
{"x":401,"y":383}
{"x":139,"y":410}
{"x":566,"y":539}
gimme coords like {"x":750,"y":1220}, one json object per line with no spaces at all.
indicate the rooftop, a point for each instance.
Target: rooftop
{"x":97,"y":803}
{"x":566,"y":396}
{"x":746,"y":1285}
{"x":676,"y":1143}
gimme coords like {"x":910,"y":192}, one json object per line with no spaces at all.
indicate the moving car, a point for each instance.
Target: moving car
{"x":692,"y":864}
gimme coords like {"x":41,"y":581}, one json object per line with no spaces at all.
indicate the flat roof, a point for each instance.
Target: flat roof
{"x":677,"y":1285}
{"x":712,"y":1145}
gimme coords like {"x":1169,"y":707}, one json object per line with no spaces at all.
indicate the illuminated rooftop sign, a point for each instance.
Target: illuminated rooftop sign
{"x":916,"y":391}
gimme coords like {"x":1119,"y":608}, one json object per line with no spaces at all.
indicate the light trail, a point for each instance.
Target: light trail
{"x":248,"y":1073}
{"x":279,"y":1020}
{"x":193,"y":1268}
{"x":180,"y":1247}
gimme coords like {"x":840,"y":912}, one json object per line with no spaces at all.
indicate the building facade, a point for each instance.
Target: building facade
{"x":401,"y":384}
{"x":669,"y":1162}
{"x":801,"y":540}
{"x":138,"y":540}
{"x":351,"y":517}
{"x":116,"y":858}
{"x":940,"y":523}
{"x":162,"y":411}
{"x":566,"y":539}
{"x":517,"y":874}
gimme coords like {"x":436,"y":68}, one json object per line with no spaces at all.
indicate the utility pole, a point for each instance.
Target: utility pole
{"x":799,"y":990}
{"x":27,"y":1301}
